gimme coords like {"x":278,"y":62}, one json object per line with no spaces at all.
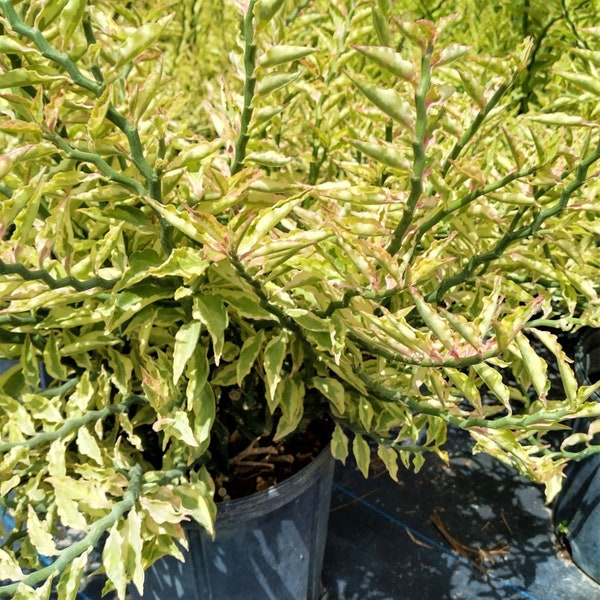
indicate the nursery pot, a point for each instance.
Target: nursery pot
{"x":577,"y":508}
{"x":268,"y":546}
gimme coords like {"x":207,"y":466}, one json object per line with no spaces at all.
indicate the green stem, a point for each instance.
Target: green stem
{"x":249,"y":87}
{"x":541,"y":417}
{"x":470,"y":197}
{"x":481,"y":116}
{"x":317,"y":161}
{"x":96,"y":160}
{"x":4,"y":189}
{"x":61,"y":58}
{"x":416,"y":182}
{"x":513,"y":234}
{"x":66,"y":557}
{"x":572,"y":26}
{"x":52,"y":282}
{"x":71,"y":425}
{"x":376,"y":348}
{"x":96,"y":86}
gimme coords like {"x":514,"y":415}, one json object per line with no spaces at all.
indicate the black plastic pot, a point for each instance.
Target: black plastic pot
{"x":577,"y":508}
{"x":268,"y":546}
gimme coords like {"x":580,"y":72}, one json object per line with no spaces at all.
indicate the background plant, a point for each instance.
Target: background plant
{"x":312,"y":210}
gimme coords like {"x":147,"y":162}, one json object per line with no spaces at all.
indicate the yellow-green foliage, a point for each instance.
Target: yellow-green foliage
{"x":270,"y":212}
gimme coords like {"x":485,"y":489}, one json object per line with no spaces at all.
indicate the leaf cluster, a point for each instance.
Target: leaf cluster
{"x":224,"y":221}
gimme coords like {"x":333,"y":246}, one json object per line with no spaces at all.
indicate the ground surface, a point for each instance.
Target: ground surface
{"x":471,"y":530}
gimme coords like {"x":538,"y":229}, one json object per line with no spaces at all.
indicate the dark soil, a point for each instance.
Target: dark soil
{"x":264,"y":463}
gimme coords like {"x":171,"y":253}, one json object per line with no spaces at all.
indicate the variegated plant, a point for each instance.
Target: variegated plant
{"x":235,"y":217}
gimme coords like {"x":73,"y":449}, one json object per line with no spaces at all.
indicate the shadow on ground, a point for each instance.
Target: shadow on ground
{"x":469,"y":530}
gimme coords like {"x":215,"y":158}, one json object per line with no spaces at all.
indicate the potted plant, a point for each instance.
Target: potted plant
{"x":229,"y":229}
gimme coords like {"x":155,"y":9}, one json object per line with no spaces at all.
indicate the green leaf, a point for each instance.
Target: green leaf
{"x":365,"y":413}
{"x":450,"y":54}
{"x":211,"y":311}
{"x":24,"y":592}
{"x":134,"y":544}
{"x":535,"y":366}
{"x":52,"y":360}
{"x":292,"y":406}
{"x":493,"y":380}
{"x":70,"y":579}
{"x":339,"y":444}
{"x":205,"y":407}
{"x":98,"y":113}
{"x":265,"y":10}
{"x":362,"y":454}
{"x":585,"y":82}
{"x":88,"y":446}
{"x":266,"y":220}
{"x":21,"y":77}
{"x":569,"y":381}
{"x":391,"y":102}
{"x":9,"y":567}
{"x":275,"y":81}
{"x":132,"y":300}
{"x":197,"y":499}
{"x":39,"y":533}
{"x":274,"y":355}
{"x":278,"y":55}
{"x":381,"y":26}
{"x":193,"y":154}
{"x":112,"y":560}
{"x":70,"y":18}
{"x":390,"y":60}
{"x":390,"y":459}
{"x":176,"y":426}
{"x":248,"y":355}
{"x":333,"y":390}
{"x":9,"y":45}
{"x":143,"y":37}
{"x":270,"y":158}
{"x":186,"y":342}
{"x":385,"y":154}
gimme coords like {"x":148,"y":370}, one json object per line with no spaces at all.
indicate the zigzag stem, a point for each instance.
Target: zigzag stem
{"x":96,"y":160}
{"x":66,"y":557}
{"x":317,"y":161}
{"x":4,"y":189}
{"x":52,"y":282}
{"x":507,"y":422}
{"x":378,"y":349}
{"x":71,"y":425}
{"x":113,"y":115}
{"x":513,"y":234}
{"x":470,"y":197}
{"x":416,"y":181}
{"x":249,"y":87}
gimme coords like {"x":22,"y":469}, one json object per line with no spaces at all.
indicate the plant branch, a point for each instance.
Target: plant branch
{"x":416,"y":181}
{"x":513,"y":234}
{"x":66,"y":557}
{"x":96,"y":160}
{"x":47,"y":51}
{"x":529,"y":70}
{"x":541,"y":417}
{"x":471,"y":196}
{"x":71,"y":425}
{"x":469,"y":134}
{"x":7,"y":191}
{"x":249,"y":87}
{"x":378,"y":349}
{"x":53,"y":283}
{"x":96,"y":86}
